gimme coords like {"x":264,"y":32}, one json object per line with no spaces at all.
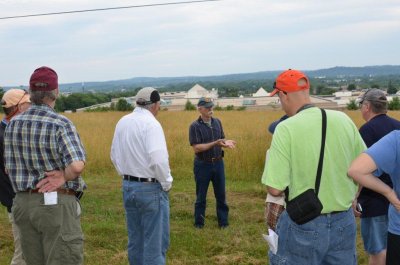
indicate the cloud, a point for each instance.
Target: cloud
{"x":229,"y":36}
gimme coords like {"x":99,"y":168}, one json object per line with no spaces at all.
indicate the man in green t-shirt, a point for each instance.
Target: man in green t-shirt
{"x":294,"y":154}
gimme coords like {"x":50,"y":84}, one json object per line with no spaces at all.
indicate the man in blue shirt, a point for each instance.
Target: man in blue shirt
{"x":207,"y":138}
{"x":374,"y":219}
{"x":383,"y":156}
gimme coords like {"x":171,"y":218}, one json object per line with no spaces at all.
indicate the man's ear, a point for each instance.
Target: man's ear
{"x":282,"y":95}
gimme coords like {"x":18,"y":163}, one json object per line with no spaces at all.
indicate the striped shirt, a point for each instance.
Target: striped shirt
{"x":37,"y":141}
{"x":201,"y":133}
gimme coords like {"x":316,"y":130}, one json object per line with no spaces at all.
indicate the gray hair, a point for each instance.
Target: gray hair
{"x":378,"y":107}
{"x":148,"y":106}
{"x":38,"y":97}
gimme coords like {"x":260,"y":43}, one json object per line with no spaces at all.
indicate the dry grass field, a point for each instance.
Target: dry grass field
{"x":103,"y":217}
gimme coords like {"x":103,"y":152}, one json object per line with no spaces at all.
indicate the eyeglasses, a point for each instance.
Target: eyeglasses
{"x":275,"y":87}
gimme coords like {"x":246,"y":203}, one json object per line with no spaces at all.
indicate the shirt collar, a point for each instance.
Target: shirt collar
{"x":200,"y":120}
{"x":41,"y":107}
{"x":306,"y":106}
{"x":143,"y":111}
{"x":4,"y":121}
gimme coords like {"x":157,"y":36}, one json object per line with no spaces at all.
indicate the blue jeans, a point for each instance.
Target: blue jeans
{"x":147,"y":218}
{"x":328,"y":239}
{"x":204,"y":172}
{"x":374,"y":233}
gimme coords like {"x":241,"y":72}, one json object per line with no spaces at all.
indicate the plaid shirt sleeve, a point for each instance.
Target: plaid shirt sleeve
{"x":70,"y":145}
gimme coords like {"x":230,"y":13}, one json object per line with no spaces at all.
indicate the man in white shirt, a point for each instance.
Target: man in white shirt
{"x":139,"y":153}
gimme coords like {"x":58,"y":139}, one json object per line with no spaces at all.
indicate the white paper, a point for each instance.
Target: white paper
{"x":50,"y":198}
{"x":272,"y":240}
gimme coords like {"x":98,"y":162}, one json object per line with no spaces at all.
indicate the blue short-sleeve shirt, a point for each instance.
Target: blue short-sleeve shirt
{"x":386,"y":155}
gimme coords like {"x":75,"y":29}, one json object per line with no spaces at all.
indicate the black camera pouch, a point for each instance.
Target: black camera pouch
{"x":304,"y":208}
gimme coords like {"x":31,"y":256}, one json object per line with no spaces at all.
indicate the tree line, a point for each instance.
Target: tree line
{"x":225,"y":89}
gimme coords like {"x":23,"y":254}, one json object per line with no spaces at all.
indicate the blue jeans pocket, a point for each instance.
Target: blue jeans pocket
{"x":345,"y":237}
{"x":301,"y":243}
{"x":148,"y":201}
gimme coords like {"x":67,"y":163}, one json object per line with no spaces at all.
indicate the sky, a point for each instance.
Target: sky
{"x":198,"y":39}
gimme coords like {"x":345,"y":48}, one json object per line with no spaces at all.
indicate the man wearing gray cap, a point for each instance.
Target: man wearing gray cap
{"x":374,"y":206}
{"x":207,"y":138}
{"x":139,"y":154}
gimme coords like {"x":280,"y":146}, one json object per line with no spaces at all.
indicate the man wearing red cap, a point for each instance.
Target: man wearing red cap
{"x":329,"y":236}
{"x":44,"y":158}
{"x":14,"y":102}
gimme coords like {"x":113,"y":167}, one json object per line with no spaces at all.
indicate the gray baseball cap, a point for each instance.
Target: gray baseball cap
{"x":374,"y":95}
{"x":147,"y":95}
{"x":205,"y":102}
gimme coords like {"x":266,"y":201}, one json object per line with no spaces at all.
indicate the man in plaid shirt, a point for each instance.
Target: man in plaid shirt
{"x":44,"y":158}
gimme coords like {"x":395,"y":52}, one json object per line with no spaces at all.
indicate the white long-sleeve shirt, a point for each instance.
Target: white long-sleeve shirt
{"x":139,"y":148}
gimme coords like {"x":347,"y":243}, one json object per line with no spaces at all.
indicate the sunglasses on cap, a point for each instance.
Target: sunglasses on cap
{"x":277,"y":88}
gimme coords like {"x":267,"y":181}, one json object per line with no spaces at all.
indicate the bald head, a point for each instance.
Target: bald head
{"x":292,"y":102}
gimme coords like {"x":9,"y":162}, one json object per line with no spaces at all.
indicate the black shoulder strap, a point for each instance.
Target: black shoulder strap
{"x":321,"y":154}
{"x":321,"y":158}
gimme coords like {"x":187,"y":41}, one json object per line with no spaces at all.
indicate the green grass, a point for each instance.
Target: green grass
{"x":103,"y":222}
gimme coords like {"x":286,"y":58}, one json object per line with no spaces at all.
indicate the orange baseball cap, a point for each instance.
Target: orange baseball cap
{"x":288,"y":81}
{"x":14,"y":97}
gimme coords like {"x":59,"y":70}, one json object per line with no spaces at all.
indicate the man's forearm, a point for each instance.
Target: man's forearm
{"x":74,"y":170}
{"x":198,"y":148}
{"x":160,"y":165}
{"x":274,"y":192}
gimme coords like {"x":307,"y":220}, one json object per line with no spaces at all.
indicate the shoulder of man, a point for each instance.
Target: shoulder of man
{"x":218,"y":121}
{"x":195,"y":123}
{"x":393,"y":120}
{"x":62,"y":120}
{"x":337,"y":114}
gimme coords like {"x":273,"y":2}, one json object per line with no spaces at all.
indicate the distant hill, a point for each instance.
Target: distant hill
{"x":338,"y":71}
{"x":379,"y":70}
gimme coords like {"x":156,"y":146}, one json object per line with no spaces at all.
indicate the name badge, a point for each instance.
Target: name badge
{"x":50,"y":198}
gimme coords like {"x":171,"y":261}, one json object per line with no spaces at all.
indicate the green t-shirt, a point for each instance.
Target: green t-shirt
{"x":294,"y":156}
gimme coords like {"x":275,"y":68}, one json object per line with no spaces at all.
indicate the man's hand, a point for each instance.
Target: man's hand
{"x":54,"y":179}
{"x":227,"y":143}
{"x":393,"y":199}
{"x":356,"y":212}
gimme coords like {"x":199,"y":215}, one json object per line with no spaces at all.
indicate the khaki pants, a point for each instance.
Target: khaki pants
{"x":50,"y":234}
{"x":17,"y":258}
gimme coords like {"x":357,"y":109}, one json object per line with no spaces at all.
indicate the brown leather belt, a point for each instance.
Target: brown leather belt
{"x":60,"y":191}
{"x":211,"y":160}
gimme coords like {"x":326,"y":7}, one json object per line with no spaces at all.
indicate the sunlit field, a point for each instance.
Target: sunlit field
{"x":103,"y":217}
